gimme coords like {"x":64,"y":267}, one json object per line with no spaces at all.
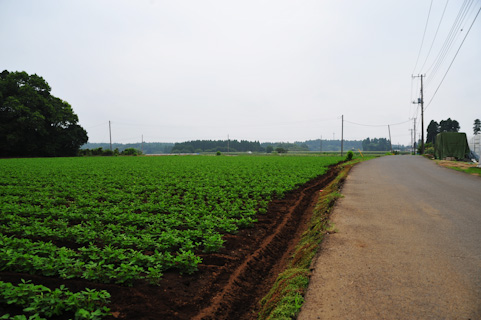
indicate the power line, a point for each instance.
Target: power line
{"x":453,"y":34}
{"x":435,"y":35}
{"x":424,"y":34}
{"x":453,"y":58}
{"x":376,"y":125}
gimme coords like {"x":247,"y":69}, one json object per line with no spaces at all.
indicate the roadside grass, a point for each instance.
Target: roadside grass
{"x":461,"y":166}
{"x":473,"y":171}
{"x":285,"y":299}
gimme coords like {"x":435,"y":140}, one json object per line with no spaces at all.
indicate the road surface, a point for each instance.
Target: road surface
{"x":407,"y":246}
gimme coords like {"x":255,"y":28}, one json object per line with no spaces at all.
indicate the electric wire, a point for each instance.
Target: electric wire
{"x":450,"y":40}
{"x":454,"y":58}
{"x":447,"y":41}
{"x":424,"y":34}
{"x":435,"y":35}
{"x":377,"y":125}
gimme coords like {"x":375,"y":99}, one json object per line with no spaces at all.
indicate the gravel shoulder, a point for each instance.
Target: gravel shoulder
{"x":407,"y":245}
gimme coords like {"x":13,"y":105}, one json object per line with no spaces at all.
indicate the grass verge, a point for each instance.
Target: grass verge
{"x":462,"y":166}
{"x":285,"y":299}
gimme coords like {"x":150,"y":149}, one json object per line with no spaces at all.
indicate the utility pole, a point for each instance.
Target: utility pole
{"x":320,"y":146}
{"x":421,"y":102}
{"x":412,"y":141}
{"x":422,"y":117}
{"x":142,"y":144}
{"x":228,"y":140}
{"x":390,"y":141}
{"x":342,"y":135}
{"x":110,"y":134}
{"x":414,"y":136}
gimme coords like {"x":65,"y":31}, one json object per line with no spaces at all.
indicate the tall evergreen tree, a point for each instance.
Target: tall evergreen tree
{"x":433,"y":130}
{"x":477,"y":126}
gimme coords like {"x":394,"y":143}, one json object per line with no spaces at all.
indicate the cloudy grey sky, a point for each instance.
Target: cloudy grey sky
{"x":254,"y":70}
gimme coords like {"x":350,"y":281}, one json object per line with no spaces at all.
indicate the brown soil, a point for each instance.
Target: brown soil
{"x":456,"y":164}
{"x":229,"y":283}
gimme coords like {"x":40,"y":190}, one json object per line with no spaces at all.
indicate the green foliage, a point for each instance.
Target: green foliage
{"x":432,"y":132}
{"x":146,"y":147}
{"x":376,"y":144}
{"x":333,"y":145}
{"x":218,"y":153}
{"x":33,"y":122}
{"x":289,"y":289}
{"x":121,"y":219}
{"x":296,"y":146}
{"x":131,"y":152}
{"x":471,"y":170}
{"x":349,"y":156}
{"x":38,"y":301}
{"x":429,"y":150}
{"x":444,"y":126}
{"x":448,"y":125}
{"x":477,"y":127}
{"x":428,"y":147}
{"x":217,"y":145}
{"x":281,"y":150}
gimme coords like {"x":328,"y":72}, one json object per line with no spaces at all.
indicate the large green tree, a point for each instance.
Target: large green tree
{"x":448,"y":125}
{"x":33,"y":122}
{"x":433,"y":130}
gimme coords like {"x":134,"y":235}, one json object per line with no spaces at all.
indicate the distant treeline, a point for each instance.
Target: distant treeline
{"x":198,"y":146}
{"x":146,"y":147}
{"x":376,"y":144}
{"x":217,"y":145}
{"x":333,"y":145}
{"x":107,"y":152}
{"x":245,"y":146}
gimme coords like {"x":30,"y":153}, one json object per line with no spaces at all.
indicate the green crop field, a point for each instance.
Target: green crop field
{"x":121,"y":219}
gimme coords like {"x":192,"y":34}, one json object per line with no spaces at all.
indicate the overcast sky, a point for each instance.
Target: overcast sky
{"x":254,"y":70}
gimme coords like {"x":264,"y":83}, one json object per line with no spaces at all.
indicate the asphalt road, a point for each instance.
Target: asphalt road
{"x":407,"y":246}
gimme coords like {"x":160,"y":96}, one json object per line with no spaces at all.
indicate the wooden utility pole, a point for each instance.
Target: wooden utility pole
{"x":422,"y":117}
{"x":342,"y":135}
{"x":414,"y":138}
{"x":110,"y":134}
{"x":412,"y":141}
{"x":421,"y":102}
{"x":390,"y":141}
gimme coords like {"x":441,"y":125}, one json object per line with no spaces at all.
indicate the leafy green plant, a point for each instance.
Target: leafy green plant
{"x":121,"y":219}
{"x":349,"y":156}
{"x":39,"y":301}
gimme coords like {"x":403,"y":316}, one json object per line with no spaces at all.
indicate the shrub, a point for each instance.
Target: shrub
{"x":131,"y":152}
{"x":349,"y":156}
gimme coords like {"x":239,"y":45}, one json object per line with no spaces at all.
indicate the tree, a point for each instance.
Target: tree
{"x":33,"y":122}
{"x":448,"y":125}
{"x":477,"y":126}
{"x":433,"y":130}
{"x":381,"y":144}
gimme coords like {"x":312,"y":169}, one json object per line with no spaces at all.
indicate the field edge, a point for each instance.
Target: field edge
{"x":286,"y":296}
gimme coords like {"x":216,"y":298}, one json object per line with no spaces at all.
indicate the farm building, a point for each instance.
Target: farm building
{"x":451,"y":144}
